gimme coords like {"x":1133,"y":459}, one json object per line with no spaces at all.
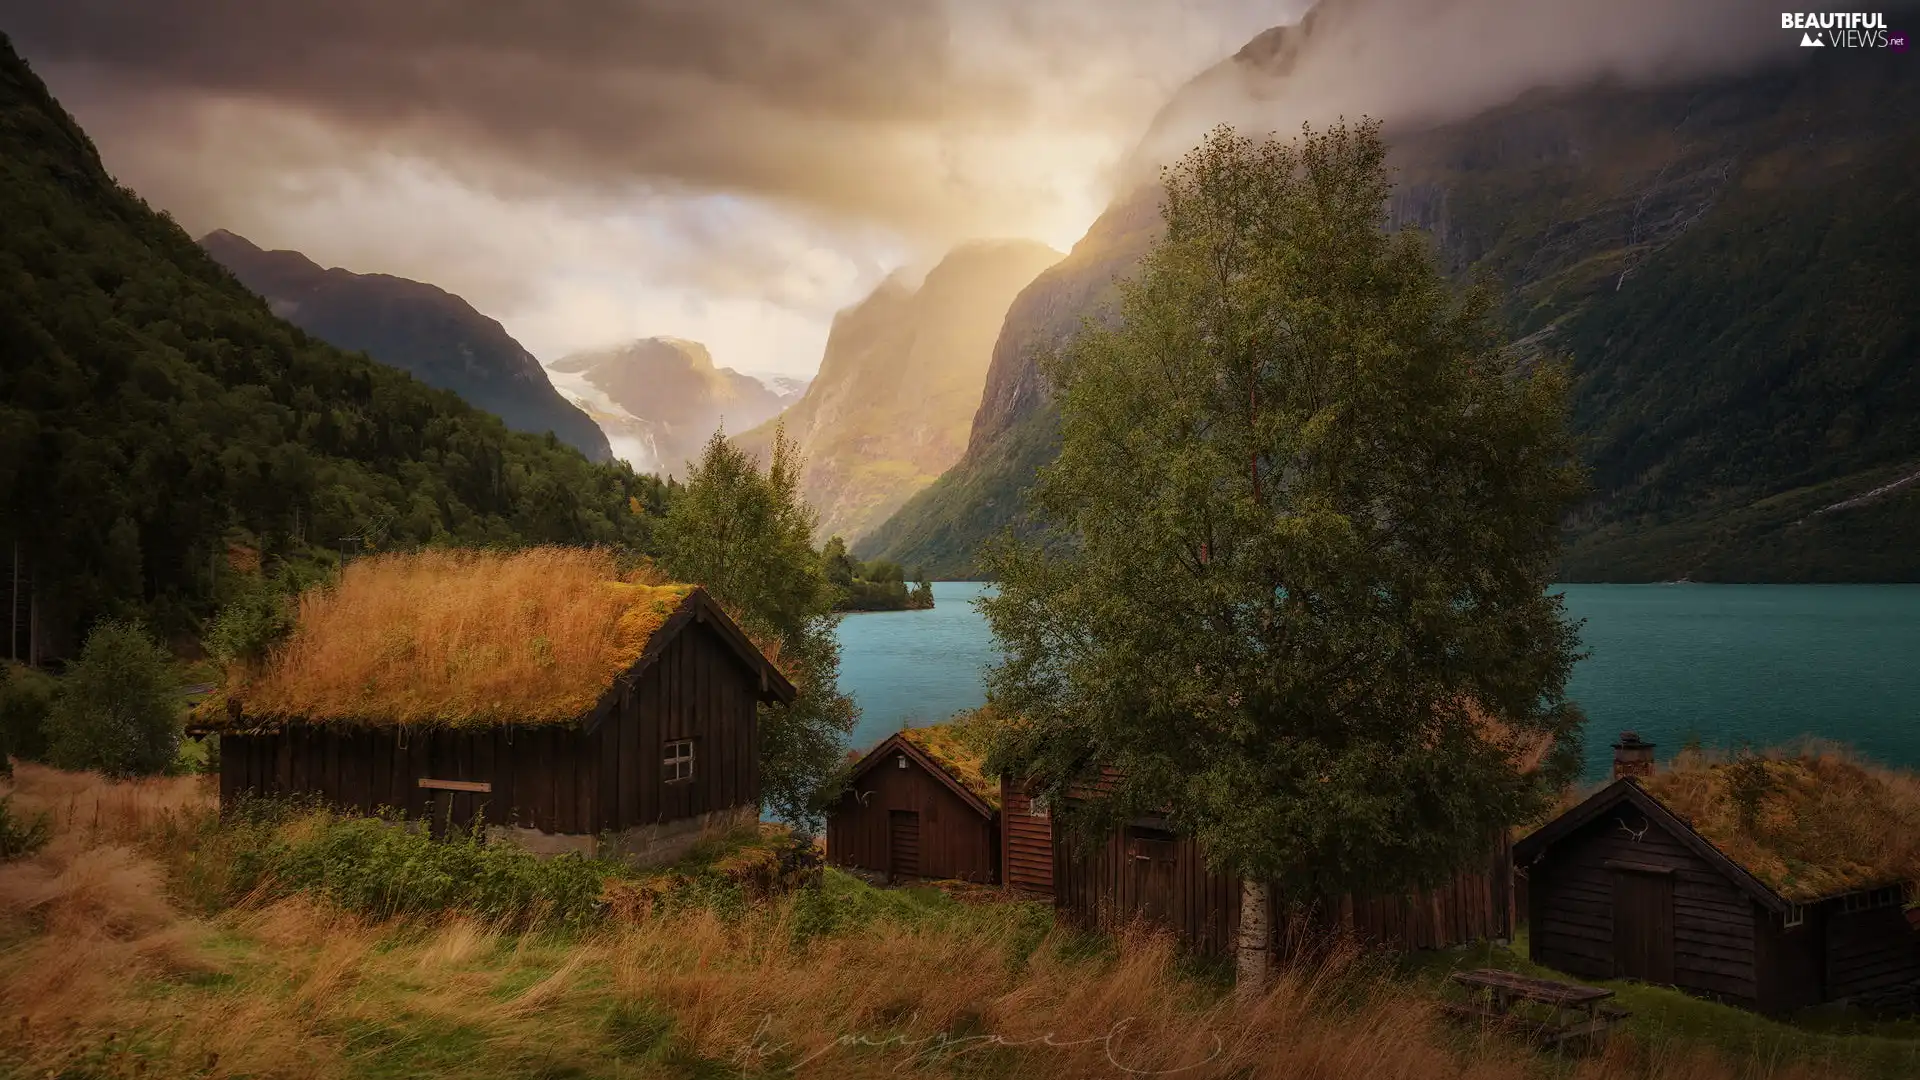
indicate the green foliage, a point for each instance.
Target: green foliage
{"x":746,"y":536}
{"x":1305,"y":512}
{"x":20,"y":836}
{"x":1730,"y":264}
{"x":119,"y":708}
{"x":259,"y":611}
{"x":161,"y":405}
{"x":880,"y":585}
{"x":385,"y":869}
{"x":26,"y":701}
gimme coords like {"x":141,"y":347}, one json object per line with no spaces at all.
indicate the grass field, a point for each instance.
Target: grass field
{"x":145,"y":940}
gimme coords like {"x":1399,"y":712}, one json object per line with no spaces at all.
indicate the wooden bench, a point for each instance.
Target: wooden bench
{"x":1579,"y":1014}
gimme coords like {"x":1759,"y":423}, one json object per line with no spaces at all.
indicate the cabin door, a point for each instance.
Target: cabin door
{"x":903,"y":843}
{"x":1153,"y":863}
{"x":1643,"y":926}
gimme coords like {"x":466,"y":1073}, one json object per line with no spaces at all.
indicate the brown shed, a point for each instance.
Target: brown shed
{"x":1146,"y":869}
{"x":1662,"y":877}
{"x":917,"y":806}
{"x":527,"y":692}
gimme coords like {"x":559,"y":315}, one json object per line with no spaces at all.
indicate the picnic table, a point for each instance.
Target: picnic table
{"x":1577,"y":1013}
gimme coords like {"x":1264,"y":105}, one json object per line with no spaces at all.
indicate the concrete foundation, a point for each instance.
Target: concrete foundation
{"x":646,"y":845}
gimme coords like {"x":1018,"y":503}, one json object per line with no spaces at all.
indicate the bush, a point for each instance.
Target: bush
{"x":383,"y":868}
{"x":26,"y":698}
{"x":118,"y":710}
{"x":21,"y":837}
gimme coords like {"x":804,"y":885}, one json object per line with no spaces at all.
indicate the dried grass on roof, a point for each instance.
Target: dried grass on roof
{"x":1809,"y":822}
{"x":461,"y":638}
{"x":961,"y":745}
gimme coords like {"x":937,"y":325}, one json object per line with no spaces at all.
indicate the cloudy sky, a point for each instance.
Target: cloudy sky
{"x":732,"y":171}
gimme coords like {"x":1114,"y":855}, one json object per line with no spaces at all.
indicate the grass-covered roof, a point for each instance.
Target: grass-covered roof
{"x":960,"y":747}
{"x":460,"y":638}
{"x":1809,"y":823}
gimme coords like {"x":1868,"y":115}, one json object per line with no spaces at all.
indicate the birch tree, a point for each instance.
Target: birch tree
{"x":1297,"y":544}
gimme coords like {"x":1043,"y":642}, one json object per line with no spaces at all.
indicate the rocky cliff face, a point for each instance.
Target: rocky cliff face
{"x":419,"y":328}
{"x":898,"y":387}
{"x":1728,"y":263}
{"x":661,"y":398}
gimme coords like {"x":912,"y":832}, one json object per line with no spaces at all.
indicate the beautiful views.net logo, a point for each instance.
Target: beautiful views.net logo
{"x":1844,"y":30}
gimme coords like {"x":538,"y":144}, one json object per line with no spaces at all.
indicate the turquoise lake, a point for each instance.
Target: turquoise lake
{"x":1763,"y":664}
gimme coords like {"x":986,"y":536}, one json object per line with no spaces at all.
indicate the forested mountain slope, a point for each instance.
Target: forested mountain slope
{"x":1732,"y":265}
{"x":151,"y":408}
{"x":419,"y":328}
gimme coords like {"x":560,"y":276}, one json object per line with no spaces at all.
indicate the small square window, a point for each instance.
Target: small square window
{"x":1796,"y":914}
{"x":1038,"y":807}
{"x":677,"y":762}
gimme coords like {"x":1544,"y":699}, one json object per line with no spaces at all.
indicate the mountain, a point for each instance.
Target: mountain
{"x":1732,"y":264}
{"x":420,"y":329}
{"x":899,"y":383}
{"x":788,"y":388}
{"x":661,"y":398}
{"x":154,"y":411}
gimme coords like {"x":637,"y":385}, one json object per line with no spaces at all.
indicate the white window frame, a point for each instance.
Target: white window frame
{"x":676,"y":761}
{"x":1796,"y":915}
{"x":1037,"y":807}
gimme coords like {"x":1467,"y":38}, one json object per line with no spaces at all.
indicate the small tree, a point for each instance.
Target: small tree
{"x":118,"y":711}
{"x":746,"y":536}
{"x":1297,"y":544}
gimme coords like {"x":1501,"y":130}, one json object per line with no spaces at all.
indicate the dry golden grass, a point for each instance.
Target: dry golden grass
{"x":459,"y":638}
{"x":101,"y":977}
{"x":1810,"y":822}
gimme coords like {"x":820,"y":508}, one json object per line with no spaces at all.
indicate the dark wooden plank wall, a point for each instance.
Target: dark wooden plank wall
{"x":1789,"y":962}
{"x":698,"y":689}
{"x":365,"y":770}
{"x":1476,"y":905}
{"x":1868,"y":950}
{"x":1097,"y":886}
{"x":554,"y":778}
{"x":1571,"y":894}
{"x":955,"y":840}
{"x":1026,"y":841}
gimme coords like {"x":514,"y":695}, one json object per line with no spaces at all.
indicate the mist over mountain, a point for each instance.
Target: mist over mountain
{"x":660,"y":398}
{"x":900,"y":381}
{"x":1727,"y":255}
{"x":421,"y":329}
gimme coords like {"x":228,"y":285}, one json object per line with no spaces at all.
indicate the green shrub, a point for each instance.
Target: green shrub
{"x":384,"y":868}
{"x":118,"y":710}
{"x":258,"y":617}
{"x":21,"y":836}
{"x":26,"y":698}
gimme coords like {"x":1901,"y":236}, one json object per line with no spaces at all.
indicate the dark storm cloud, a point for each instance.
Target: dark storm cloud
{"x":799,"y":99}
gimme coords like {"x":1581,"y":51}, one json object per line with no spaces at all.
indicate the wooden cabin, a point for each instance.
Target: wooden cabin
{"x":1661,"y":876}
{"x":1147,"y":870}
{"x":918,"y":807}
{"x":527,"y":692}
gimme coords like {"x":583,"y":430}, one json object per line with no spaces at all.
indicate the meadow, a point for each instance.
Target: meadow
{"x":148,"y":937}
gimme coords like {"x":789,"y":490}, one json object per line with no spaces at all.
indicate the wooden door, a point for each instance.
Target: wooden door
{"x":903,"y":843}
{"x":1153,"y":864}
{"x":1643,"y":926}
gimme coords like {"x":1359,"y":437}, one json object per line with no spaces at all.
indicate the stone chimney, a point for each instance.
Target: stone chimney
{"x":1631,"y":756}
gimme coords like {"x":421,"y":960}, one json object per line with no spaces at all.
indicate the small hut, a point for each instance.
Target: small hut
{"x":1772,"y":882}
{"x":534,"y":693}
{"x":918,"y":806}
{"x":1147,"y":869}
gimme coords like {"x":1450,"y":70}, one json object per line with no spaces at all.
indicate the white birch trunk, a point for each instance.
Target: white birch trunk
{"x":1253,"y":958}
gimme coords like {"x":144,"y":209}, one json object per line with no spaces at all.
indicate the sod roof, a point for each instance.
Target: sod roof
{"x":1808,"y":823}
{"x":458,"y":638}
{"x":959,"y":750}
